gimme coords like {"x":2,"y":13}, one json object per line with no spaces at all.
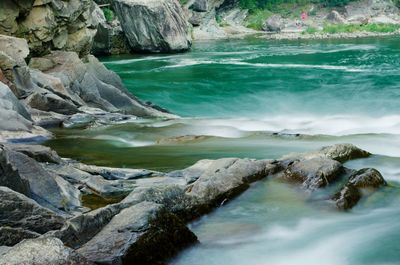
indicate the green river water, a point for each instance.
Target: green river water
{"x":264,"y":99}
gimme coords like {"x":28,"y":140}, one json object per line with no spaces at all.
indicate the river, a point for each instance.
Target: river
{"x":259,"y":98}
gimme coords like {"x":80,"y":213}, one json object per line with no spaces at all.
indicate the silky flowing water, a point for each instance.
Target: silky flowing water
{"x":264,"y":99}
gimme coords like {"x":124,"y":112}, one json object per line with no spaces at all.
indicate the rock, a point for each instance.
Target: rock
{"x":42,"y":251}
{"x":47,"y":101}
{"x":196,"y":18}
{"x":141,"y":234}
{"x":42,"y":186}
{"x":39,"y":153}
{"x":344,"y":152}
{"x":109,"y":38}
{"x":80,"y":229}
{"x":9,"y":175}
{"x":352,"y":192}
{"x":9,"y":102}
{"x":223,"y":179}
{"x":16,"y":48}
{"x":367,"y":178}
{"x":335,"y":17}
{"x":154,"y":25}
{"x":347,"y":197}
{"x":199,"y":6}
{"x":313,"y":173}
{"x":49,"y":25}
{"x":19,"y":211}
{"x":339,"y":152}
{"x":117,"y":173}
{"x":274,"y":24}
{"x":109,"y":188}
{"x":12,"y":236}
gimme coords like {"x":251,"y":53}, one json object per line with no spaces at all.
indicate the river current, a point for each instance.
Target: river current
{"x":263,"y":99}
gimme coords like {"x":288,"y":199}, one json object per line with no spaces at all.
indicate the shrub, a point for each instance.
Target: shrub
{"x":109,"y":14}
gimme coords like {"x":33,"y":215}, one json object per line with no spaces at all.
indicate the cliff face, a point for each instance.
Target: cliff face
{"x":50,"y":24}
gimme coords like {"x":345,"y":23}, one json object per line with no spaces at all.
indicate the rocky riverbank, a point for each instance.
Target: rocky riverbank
{"x":148,"y":225}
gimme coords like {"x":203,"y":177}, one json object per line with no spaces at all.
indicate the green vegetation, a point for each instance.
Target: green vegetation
{"x":257,"y":18}
{"x":275,"y":5}
{"x":109,"y":14}
{"x":350,"y":28}
{"x":310,"y":30}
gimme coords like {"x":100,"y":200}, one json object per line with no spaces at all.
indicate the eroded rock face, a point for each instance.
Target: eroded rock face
{"x":49,"y":25}
{"x":154,"y":25}
{"x":42,"y":251}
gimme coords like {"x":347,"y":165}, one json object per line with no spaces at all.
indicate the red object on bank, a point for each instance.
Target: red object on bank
{"x":304,"y":16}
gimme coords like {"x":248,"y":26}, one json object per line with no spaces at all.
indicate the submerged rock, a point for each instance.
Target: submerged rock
{"x":154,"y":25}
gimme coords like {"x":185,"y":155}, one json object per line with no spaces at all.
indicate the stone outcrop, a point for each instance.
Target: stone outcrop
{"x":154,"y":25}
{"x":50,"y":25}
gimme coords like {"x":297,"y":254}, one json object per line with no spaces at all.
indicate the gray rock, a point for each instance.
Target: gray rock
{"x":16,"y":48}
{"x":142,"y":234}
{"x":109,"y":38}
{"x":335,"y":17}
{"x":352,"y":192}
{"x":42,"y":251}
{"x":367,"y":178}
{"x":225,"y":178}
{"x":11,"y":236}
{"x":50,"y":25}
{"x":154,"y":25}
{"x":8,"y":101}
{"x":38,"y":152}
{"x":339,"y":152}
{"x":313,"y":173}
{"x":110,"y":188}
{"x":274,"y":23}
{"x":43,"y":187}
{"x":117,"y":173}
{"x":47,"y":101}
{"x":200,"y":6}
{"x":19,"y":211}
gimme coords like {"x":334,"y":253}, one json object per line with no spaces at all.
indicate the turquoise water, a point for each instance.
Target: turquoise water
{"x":250,"y":98}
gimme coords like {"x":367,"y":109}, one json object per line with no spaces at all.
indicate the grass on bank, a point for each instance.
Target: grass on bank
{"x":351,"y":28}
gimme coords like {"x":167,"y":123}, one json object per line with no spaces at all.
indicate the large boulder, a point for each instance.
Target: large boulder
{"x":37,"y":251}
{"x":142,"y":234}
{"x":154,"y":25}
